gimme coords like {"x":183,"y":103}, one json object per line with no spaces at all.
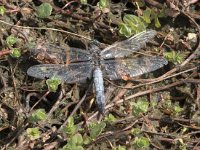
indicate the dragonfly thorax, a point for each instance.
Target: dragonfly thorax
{"x":95,"y":55}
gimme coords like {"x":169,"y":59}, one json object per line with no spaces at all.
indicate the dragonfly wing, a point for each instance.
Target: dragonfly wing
{"x":49,"y":53}
{"x":77,"y":54}
{"x":72,"y":73}
{"x":127,"y":47}
{"x":127,"y":68}
{"x":77,"y":72}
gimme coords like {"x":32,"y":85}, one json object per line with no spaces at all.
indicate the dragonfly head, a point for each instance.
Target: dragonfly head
{"x":94,"y":46}
{"x":95,"y":42}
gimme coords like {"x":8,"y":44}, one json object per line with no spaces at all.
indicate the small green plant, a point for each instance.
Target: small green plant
{"x":173,"y":108}
{"x":131,"y":25}
{"x":139,"y":107}
{"x":167,"y":104}
{"x":33,"y":133}
{"x":175,"y":57}
{"x":38,"y":115}
{"x":70,"y":129}
{"x":110,"y":119}
{"x":135,"y":131}
{"x":44,"y":10}
{"x":141,"y":142}
{"x":15,"y":52}
{"x":75,"y":143}
{"x":95,"y":129}
{"x":53,"y":83}
{"x":150,"y":14}
{"x":2,"y":10}
{"x":11,"y":40}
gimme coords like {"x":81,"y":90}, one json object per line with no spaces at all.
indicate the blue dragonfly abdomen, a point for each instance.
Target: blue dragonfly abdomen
{"x":99,"y":89}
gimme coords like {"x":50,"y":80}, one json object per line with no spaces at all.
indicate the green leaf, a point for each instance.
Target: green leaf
{"x":70,"y":128}
{"x":44,"y":10}
{"x":103,"y":3}
{"x":157,"y":23}
{"x":141,"y":142}
{"x":140,"y":107}
{"x":125,"y":30}
{"x":10,"y":40}
{"x":77,"y":139}
{"x":15,"y":52}
{"x":33,"y":133}
{"x":70,"y":122}
{"x":162,"y":14}
{"x":146,"y":15}
{"x":110,"y":119}
{"x":95,"y":129}
{"x":135,"y":23}
{"x":131,"y":25}
{"x":2,"y":10}
{"x":38,"y":115}
{"x":53,"y":83}
{"x":178,"y":109}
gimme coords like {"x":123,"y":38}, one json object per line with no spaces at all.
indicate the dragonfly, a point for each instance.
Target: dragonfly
{"x":113,"y":63}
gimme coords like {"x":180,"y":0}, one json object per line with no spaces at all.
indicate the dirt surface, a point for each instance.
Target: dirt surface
{"x":156,"y":110}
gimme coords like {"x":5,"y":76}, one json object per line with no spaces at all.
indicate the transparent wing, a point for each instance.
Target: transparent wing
{"x":72,"y":73}
{"x":49,"y":53}
{"x":127,"y":68}
{"x":127,"y":47}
